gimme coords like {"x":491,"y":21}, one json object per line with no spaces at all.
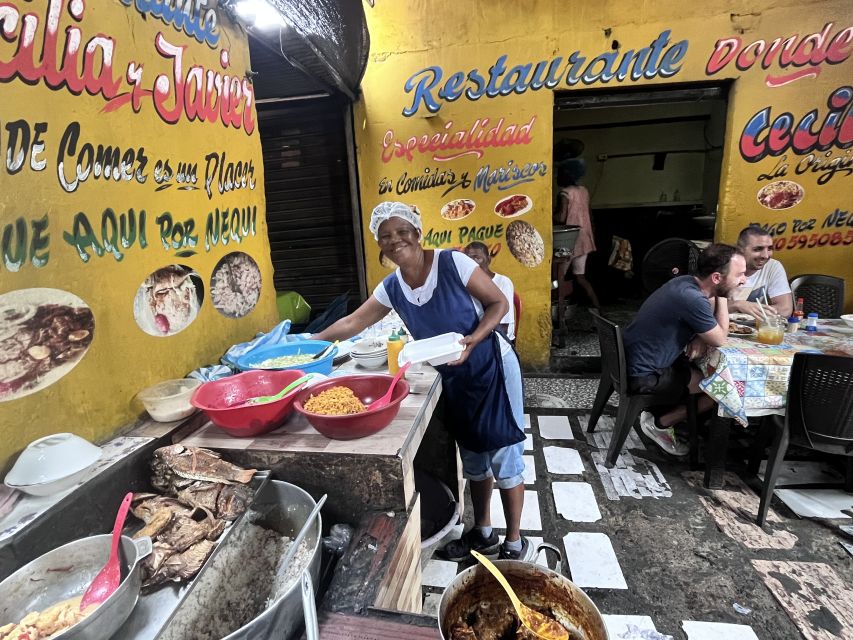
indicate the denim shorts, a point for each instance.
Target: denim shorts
{"x":506,"y":464}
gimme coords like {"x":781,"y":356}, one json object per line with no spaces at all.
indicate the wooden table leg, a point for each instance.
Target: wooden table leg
{"x":715,"y":456}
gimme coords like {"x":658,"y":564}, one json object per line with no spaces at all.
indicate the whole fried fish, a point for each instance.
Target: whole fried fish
{"x":184,"y":532}
{"x":181,"y":566}
{"x":224,"y":500}
{"x":160,"y":521}
{"x":194,"y":463}
{"x":146,"y":505}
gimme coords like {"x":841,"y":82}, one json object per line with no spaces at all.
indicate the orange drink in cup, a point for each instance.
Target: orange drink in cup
{"x":771,"y":332}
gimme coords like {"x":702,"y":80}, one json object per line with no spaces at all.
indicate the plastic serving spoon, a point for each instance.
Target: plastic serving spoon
{"x":108,"y":578}
{"x":322,"y":354}
{"x":541,"y":625}
{"x":386,"y":399}
{"x":265,"y":399}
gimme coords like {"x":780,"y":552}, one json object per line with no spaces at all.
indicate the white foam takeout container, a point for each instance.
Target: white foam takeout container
{"x":435,"y":351}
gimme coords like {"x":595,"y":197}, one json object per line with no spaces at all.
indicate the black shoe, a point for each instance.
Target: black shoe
{"x":525,"y":554}
{"x":460,"y":550}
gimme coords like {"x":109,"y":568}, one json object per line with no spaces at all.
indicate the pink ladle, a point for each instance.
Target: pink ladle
{"x":108,"y":578}
{"x":386,"y":399}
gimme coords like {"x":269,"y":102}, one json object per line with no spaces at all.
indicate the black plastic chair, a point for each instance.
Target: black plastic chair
{"x":823,"y":295}
{"x":818,"y":415}
{"x":614,"y":376}
{"x":666,"y":260}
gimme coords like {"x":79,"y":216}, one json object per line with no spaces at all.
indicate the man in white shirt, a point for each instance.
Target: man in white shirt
{"x":479,"y":253}
{"x":766,"y":280}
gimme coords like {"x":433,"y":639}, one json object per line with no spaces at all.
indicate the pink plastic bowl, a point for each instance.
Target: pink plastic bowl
{"x":217,"y":400}
{"x":367,"y":388}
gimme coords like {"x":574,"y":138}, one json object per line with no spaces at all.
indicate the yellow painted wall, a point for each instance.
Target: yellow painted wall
{"x":408,"y":36}
{"x":95,"y":397}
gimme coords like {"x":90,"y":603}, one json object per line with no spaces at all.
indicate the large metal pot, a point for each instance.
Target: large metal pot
{"x":284,"y":508}
{"x":536,"y":586}
{"x":66,"y":572}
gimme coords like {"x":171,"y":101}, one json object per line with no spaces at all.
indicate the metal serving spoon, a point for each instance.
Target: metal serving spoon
{"x":538,"y":623}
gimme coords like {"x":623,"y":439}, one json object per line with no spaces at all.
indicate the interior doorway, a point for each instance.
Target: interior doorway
{"x":651,"y":160}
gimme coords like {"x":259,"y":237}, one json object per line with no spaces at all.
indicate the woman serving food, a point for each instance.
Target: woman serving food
{"x":436,"y":292}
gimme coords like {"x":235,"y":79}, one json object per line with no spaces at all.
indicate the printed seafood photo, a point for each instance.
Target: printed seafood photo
{"x":525,"y":243}
{"x":457,"y":209}
{"x":168,"y":300}
{"x":514,"y":205}
{"x":44,"y":333}
{"x":235,"y":285}
{"x":782,"y":194}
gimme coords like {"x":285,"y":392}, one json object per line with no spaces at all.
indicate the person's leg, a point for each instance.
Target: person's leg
{"x":579,"y":271}
{"x":513,"y":502}
{"x":481,"y":499}
{"x":679,"y":413}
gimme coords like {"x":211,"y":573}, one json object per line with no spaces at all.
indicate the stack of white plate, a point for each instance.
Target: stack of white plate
{"x":52,"y":464}
{"x":370,"y":353}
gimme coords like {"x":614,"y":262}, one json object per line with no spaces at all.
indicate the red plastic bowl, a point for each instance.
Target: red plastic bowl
{"x":217,"y":400}
{"x":366,"y":388}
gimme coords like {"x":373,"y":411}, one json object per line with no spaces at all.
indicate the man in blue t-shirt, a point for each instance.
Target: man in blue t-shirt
{"x":676,"y":324}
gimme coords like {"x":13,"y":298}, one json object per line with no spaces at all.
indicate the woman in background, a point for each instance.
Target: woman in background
{"x":573,"y":210}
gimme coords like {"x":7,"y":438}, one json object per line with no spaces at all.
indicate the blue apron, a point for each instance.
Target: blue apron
{"x":479,"y":414}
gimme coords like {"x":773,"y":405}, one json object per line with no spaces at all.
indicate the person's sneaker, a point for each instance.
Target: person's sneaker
{"x":664,"y":438}
{"x":525,"y":554}
{"x":460,"y":550}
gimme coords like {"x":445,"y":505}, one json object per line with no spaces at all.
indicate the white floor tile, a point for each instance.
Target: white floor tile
{"x":592,"y":561}
{"x":816,"y":503}
{"x":555,"y":428}
{"x":439,"y":573}
{"x":431,"y":603}
{"x":528,"y":442}
{"x":529,"y":470}
{"x":526,"y":421}
{"x":530,"y":517}
{"x":563,"y":460}
{"x":628,"y":627}
{"x":575,"y":501}
{"x":717,"y":630}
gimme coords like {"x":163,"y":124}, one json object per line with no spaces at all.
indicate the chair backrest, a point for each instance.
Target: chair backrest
{"x":612,"y":351}
{"x":823,"y":295}
{"x":516,"y":305}
{"x":820,"y":402}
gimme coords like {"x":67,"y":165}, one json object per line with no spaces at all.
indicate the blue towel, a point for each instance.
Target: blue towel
{"x":277,"y":335}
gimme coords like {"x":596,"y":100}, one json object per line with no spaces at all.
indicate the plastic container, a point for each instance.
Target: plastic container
{"x":436,"y":351}
{"x":52,"y":464}
{"x":219,"y":400}
{"x":395,"y":346}
{"x":169,"y":400}
{"x":367,"y":388}
{"x":811,"y":322}
{"x":793,"y":324}
{"x":772,"y":332}
{"x":848,"y":319}
{"x":798,"y":309}
{"x":249,"y":361}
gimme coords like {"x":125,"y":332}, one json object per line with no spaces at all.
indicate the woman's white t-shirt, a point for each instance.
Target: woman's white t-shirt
{"x":419,"y":296}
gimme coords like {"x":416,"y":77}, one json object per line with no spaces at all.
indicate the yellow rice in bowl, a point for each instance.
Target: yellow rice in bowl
{"x":337,"y":401}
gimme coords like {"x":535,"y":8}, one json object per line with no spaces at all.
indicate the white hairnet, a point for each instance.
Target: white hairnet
{"x":386,"y":210}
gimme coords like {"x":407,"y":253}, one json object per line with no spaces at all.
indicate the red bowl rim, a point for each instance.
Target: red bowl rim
{"x":252,"y":373}
{"x":327,"y":384}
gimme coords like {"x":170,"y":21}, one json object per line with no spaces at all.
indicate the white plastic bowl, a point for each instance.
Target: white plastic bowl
{"x":372,"y":361}
{"x":436,"y":351}
{"x":52,"y":464}
{"x":848,"y":319}
{"x":169,"y":400}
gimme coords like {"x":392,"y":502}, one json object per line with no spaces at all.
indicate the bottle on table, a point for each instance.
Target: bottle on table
{"x":793,"y":324}
{"x":811,"y":322}
{"x":395,"y":346}
{"x":798,"y":309}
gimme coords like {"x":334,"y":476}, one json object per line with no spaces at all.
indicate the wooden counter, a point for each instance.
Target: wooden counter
{"x":365,"y":479}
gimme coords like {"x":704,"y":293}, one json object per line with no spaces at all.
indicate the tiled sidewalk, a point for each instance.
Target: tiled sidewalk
{"x":568,"y":504}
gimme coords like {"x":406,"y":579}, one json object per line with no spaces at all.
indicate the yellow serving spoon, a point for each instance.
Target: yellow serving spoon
{"x":541,"y":625}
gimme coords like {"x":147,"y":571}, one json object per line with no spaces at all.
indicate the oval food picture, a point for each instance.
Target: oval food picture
{"x":44,"y":333}
{"x":782,"y":194}
{"x":457,"y":209}
{"x":514,"y":205}
{"x":235,"y":285}
{"x":525,"y":243}
{"x":168,"y":300}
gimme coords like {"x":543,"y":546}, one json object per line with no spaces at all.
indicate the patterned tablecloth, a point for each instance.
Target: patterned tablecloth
{"x":747,"y":378}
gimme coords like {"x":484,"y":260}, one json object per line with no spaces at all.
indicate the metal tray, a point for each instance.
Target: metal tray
{"x":155,"y":610}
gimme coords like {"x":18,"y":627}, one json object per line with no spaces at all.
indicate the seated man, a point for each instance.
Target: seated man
{"x":675,"y":325}
{"x":766,"y":279}
{"x":479,"y":253}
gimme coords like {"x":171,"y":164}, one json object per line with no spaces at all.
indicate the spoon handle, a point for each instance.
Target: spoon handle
{"x":500,"y":578}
